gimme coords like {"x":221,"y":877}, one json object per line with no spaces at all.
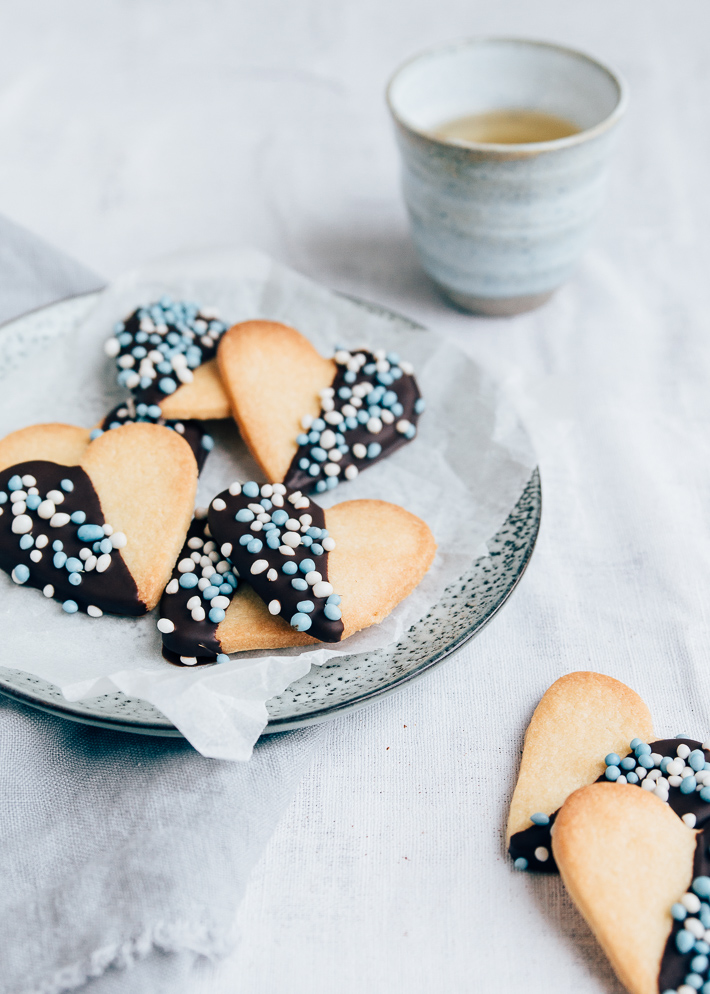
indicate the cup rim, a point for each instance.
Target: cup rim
{"x":514,"y":148}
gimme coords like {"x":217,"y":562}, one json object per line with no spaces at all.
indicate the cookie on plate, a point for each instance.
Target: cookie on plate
{"x":307,"y":575}
{"x":95,"y":524}
{"x":165,"y":355}
{"x":312,"y":422}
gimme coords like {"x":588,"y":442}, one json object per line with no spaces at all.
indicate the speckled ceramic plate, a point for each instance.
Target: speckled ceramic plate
{"x":343,"y":685}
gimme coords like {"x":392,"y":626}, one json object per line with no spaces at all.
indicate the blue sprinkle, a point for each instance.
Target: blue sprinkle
{"x":419,"y":405}
{"x":373,"y":450}
{"x":313,"y":532}
{"x":78,"y":518}
{"x":707,"y":766}
{"x":245,"y":539}
{"x":21,"y":573}
{"x":612,"y":759}
{"x":397,"y":410}
{"x":273,"y":540}
{"x":125,"y":339}
{"x":301,"y":622}
{"x":57,"y":545}
{"x":704,"y":914}
{"x":318,"y":425}
{"x":319,"y":454}
{"x":244,"y":515}
{"x":231,"y":580}
{"x":250,"y":489}
{"x":390,"y":398}
{"x":289,"y":568}
{"x":332,"y":612}
{"x":74,"y":565}
{"x":222,"y":657}
{"x":645,"y":761}
{"x":684,"y":941}
{"x":167,"y":384}
{"x":207,"y":443}
{"x":333,"y":599}
{"x":115,"y":424}
{"x":71,"y":607}
{"x":298,"y":584}
{"x":216,"y":615}
{"x":612,"y":773}
{"x":75,"y":579}
{"x":307,"y":607}
{"x":369,"y":369}
{"x":188,"y":580}
{"x":683,"y":735}
{"x":410,"y":432}
{"x":154,"y":411}
{"x":304,"y":463}
{"x":694,"y":980}
{"x":67,"y":485}
{"x":321,"y":486}
{"x":173,"y":337}
{"x":279,"y":517}
{"x":26,"y":542}
{"x":268,"y":526}
{"x":349,"y":377}
{"x":306,"y":565}
{"x":306,"y":541}
{"x":3,"y":497}
{"x":679,"y":912}
{"x":521,"y":863}
{"x":385,"y":378}
{"x":313,"y":468}
{"x":702,"y":947}
{"x":540,"y":819}
{"x":225,"y":589}
{"x":688,"y":785}
{"x":351,"y":423}
{"x":665,"y":763}
{"x":630,"y":763}
{"x":314,"y":437}
{"x":14,"y":483}
{"x":139,"y":352}
{"x":33,"y":501}
{"x":59,"y":559}
{"x":302,"y":439}
{"x":374,"y":411}
{"x":90,"y":533}
{"x":642,"y":749}
{"x":119,"y":327}
{"x":345,"y":393}
{"x":265,"y":503}
{"x":105,"y":545}
{"x":701,"y":886}
{"x":317,"y":549}
{"x":631,"y":777}
{"x":696,"y":760}
{"x":209,"y":592}
{"x":363,"y":416}
{"x":94,"y":434}
{"x":255,"y":545}
{"x":141,"y":337}
{"x":339,"y":439}
{"x":705,"y":795}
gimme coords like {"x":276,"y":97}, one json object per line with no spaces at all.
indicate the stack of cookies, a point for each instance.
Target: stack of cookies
{"x":104,"y":519}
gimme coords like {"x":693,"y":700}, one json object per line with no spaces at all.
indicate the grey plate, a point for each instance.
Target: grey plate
{"x":344,"y":685}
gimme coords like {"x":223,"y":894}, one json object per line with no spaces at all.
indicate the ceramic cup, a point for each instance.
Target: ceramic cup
{"x":500,"y":227}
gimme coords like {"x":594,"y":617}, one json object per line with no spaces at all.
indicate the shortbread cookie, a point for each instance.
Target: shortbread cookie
{"x":192,"y":430}
{"x":312,"y":422}
{"x":319,"y":575}
{"x":165,"y":354}
{"x":580,"y":719}
{"x":98,"y":528}
{"x":628,"y":863}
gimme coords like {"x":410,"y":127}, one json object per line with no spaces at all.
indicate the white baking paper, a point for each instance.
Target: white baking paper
{"x":463,"y":474}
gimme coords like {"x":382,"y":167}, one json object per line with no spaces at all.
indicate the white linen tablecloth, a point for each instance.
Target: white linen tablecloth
{"x":129,"y":131}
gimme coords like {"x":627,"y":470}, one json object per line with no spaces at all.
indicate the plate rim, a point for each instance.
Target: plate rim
{"x":274,"y":726}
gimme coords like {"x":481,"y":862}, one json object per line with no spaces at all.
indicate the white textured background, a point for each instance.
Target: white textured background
{"x":134,"y":128}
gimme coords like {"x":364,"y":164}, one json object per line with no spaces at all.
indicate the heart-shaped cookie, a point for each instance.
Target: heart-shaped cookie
{"x":165,"y":354}
{"x":192,"y":430}
{"x":95,"y":524}
{"x":308,"y":575}
{"x":628,"y":863}
{"x":312,"y":422}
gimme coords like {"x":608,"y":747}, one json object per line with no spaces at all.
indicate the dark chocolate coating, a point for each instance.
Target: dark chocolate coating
{"x":526,"y":842}
{"x":114,"y":590}
{"x":675,"y":966}
{"x":224,"y":528}
{"x":193,"y":430}
{"x":389,"y":438}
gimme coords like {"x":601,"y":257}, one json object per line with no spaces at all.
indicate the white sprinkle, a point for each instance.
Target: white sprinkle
{"x":306,"y":421}
{"x":355,"y":401}
{"x":277,"y":500}
{"x":656,"y":757}
{"x":41,"y":541}
{"x":220,"y":601}
{"x":403,"y":425}
{"x":313,"y":577}
{"x":691,"y":903}
{"x":19,"y":508}
{"x":226,"y":549}
{"x":48,"y":591}
{"x":259,"y":566}
{"x":194,"y":602}
{"x":203,"y":583}
{"x":173,"y":586}
{"x":293,"y":525}
{"x":649,"y":784}
{"x":256,"y":526}
{"x":190,"y":660}
{"x":126,"y":361}
{"x":165,"y":625}
{"x":327,"y":439}
{"x":687,"y":772}
{"x":662,"y":782}
{"x":694,"y":927}
{"x":84,"y":553}
{"x":112,"y":347}
{"x":108,"y":530}
{"x":202,"y":560}
{"x":706,"y":745}
{"x":675,"y":768}
{"x":292,"y":539}
{"x":351,"y":472}
{"x":689,"y":819}
{"x":342,"y":357}
{"x":32,"y":490}
{"x":387,"y":417}
{"x":328,"y":544}
{"x":654,"y":774}
{"x":263,"y":517}
{"x":210,"y":546}
{"x":296,"y":495}
{"x":621,"y":779}
{"x":301,"y":503}
{"x":348,"y":411}
{"x":335,"y":455}
{"x":280,"y":489}
{"x":333,"y":417}
{"x":35,"y":555}
{"x":274,"y":607}
{"x":286,"y":551}
{"x":90,"y":563}
{"x":195,"y":543}
{"x":118,"y":540}
{"x":323,"y":589}
{"x":46,"y":509}
{"x":374,"y":425}
{"x":267,"y":490}
{"x":103,"y":562}
{"x":331,"y":469}
{"x":359,"y":450}
{"x":178,"y":360}
{"x":59,"y":520}
{"x":208,"y":571}
{"x":379,"y":354}
{"x":541,"y":854}
{"x":218,"y":504}
{"x":22,"y":524}
{"x":155,"y":356}
{"x":272,"y":575}
{"x":17,"y":496}
{"x":200,"y":513}
{"x":674,"y":781}
{"x":306,"y":520}
{"x":683,"y":751}
{"x":198,"y":613}
{"x":186,"y":566}
{"x":327,"y":404}
{"x":16,"y":579}
{"x":222,"y":566}
{"x":94,"y":612}
{"x":407,"y":368}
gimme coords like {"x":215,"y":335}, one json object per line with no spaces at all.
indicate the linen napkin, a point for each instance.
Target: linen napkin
{"x":123,"y":857}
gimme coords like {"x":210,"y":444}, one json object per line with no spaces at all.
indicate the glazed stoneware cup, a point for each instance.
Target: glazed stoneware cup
{"x":499,"y":227}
